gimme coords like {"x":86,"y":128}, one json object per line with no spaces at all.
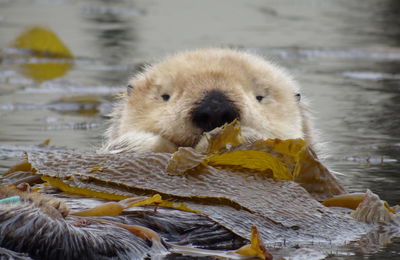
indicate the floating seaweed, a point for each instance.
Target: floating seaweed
{"x":273,"y":185}
{"x":47,"y":57}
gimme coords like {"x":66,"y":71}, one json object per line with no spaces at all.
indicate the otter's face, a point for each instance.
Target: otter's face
{"x":195,"y":92}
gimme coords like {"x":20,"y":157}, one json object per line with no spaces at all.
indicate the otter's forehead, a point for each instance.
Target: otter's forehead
{"x":210,"y":66}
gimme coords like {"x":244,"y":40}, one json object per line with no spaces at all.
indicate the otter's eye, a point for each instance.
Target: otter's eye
{"x":298,"y":97}
{"x":129,"y":89}
{"x":165,"y":97}
{"x":259,"y":98}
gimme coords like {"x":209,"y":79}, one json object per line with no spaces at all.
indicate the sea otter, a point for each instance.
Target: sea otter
{"x":172,"y":103}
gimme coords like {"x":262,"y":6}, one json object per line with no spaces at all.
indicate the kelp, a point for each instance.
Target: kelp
{"x":350,"y":200}
{"x":256,"y":246}
{"x":367,"y":201}
{"x":75,"y":188}
{"x":52,"y":58}
{"x":42,"y":42}
{"x":282,"y":210}
{"x":77,"y":221}
{"x":236,"y":185}
{"x":374,"y":210}
{"x":82,"y":104}
{"x":290,"y":159}
{"x":255,"y":249}
{"x":116,"y":208}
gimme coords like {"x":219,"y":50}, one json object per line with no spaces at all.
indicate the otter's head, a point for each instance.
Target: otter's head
{"x":194,"y":92}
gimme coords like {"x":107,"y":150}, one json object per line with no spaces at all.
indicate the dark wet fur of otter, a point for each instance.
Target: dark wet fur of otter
{"x":185,"y":228}
{"x":25,"y":228}
{"x":28,"y":231}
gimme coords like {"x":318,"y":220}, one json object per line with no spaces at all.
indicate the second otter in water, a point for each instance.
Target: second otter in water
{"x":172,"y":103}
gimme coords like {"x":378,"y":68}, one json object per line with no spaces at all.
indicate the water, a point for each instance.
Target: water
{"x":345,"y":55}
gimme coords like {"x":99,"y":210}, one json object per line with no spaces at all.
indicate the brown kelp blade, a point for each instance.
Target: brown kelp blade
{"x":237,"y":185}
{"x":374,"y":210}
{"x":281,"y":209}
{"x":290,"y":159}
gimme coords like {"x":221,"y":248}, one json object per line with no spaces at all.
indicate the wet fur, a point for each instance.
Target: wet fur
{"x":142,"y":121}
{"x":25,"y":228}
{"x":32,"y":230}
{"x":49,"y":205}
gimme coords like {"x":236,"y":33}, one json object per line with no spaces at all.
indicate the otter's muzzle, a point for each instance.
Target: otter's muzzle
{"x":214,"y":110}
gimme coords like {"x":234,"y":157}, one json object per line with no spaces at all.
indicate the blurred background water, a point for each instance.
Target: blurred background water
{"x":344,"y":53}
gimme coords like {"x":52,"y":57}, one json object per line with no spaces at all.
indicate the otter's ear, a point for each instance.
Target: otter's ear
{"x":129,"y":89}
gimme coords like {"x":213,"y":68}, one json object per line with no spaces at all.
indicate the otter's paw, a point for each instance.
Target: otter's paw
{"x":202,"y":145}
{"x":250,"y":135}
{"x":49,"y":205}
{"x":163,"y":145}
{"x":138,"y":141}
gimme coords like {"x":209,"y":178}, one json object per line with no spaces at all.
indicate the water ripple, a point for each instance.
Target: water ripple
{"x":371,"y":75}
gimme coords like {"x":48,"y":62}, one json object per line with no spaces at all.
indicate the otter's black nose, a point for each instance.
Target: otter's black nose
{"x":213,"y":111}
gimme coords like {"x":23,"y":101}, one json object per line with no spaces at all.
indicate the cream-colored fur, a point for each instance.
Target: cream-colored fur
{"x":142,"y":121}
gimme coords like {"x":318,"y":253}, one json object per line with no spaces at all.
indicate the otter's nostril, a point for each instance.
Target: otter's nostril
{"x":227,"y":116}
{"x":203,"y":117}
{"x":213,"y":111}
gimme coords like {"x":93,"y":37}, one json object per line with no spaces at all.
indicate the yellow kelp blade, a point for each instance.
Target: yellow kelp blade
{"x":252,"y":160}
{"x":313,"y":176}
{"x":45,"y":71}
{"x":303,"y":164}
{"x":224,"y":137}
{"x":368,"y":206}
{"x":115,"y":208}
{"x":144,"y":233}
{"x":350,"y":201}
{"x":42,"y":42}
{"x":23,"y":166}
{"x":131,"y":202}
{"x":60,"y":184}
{"x":106,"y":209}
{"x":286,"y":150}
{"x":290,"y":159}
{"x":291,"y":148}
{"x":256,"y":248}
{"x":221,"y":143}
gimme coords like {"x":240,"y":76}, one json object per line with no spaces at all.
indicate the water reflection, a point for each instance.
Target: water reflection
{"x":45,"y":71}
{"x":112,"y":24}
{"x":389,"y":21}
{"x":377,"y":106}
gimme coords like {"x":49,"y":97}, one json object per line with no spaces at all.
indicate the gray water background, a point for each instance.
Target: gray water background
{"x":345,"y":54}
